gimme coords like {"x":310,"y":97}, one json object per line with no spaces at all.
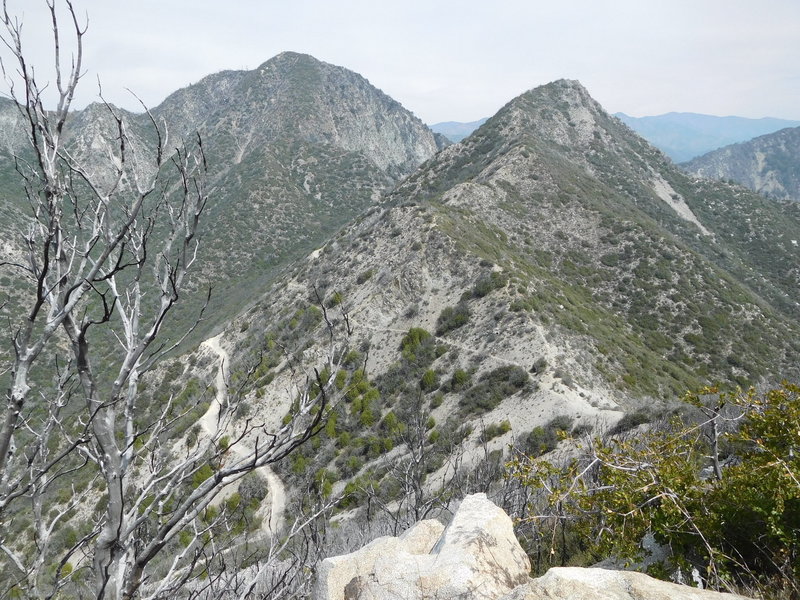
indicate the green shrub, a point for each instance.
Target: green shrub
{"x":486,"y":284}
{"x":539,"y":365}
{"x":185,"y":538}
{"x":542,"y":440}
{"x":418,"y":350}
{"x":364,"y":276}
{"x":738,"y":527}
{"x":352,"y":465}
{"x":413,"y":339}
{"x":496,"y":430}
{"x":352,"y":359}
{"x":330,"y":425}
{"x":367,"y":418}
{"x":429,"y":381}
{"x":631,"y":420}
{"x":493,"y":387}
{"x":452,"y":318}
{"x":334,"y":300}
{"x":202,"y":474}
{"x":340,"y":380}
{"x":459,"y":380}
{"x":391,"y":423}
{"x":233,"y":501}
{"x":582,"y":429}
{"x":299,"y":464}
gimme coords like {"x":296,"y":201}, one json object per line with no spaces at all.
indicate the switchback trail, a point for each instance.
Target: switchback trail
{"x":209,"y":424}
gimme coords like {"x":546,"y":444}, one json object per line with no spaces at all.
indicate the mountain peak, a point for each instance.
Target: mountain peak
{"x":289,"y":58}
{"x":562,"y":111}
{"x":555,"y":93}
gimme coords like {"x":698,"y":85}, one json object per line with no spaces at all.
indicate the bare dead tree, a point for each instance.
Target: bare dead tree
{"x":107,"y":256}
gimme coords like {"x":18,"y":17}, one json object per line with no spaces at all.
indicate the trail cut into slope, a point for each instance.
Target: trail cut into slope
{"x":210,"y":423}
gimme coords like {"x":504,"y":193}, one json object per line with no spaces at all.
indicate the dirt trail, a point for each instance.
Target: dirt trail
{"x":209,"y":422}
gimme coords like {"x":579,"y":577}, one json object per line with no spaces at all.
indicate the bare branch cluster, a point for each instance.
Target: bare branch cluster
{"x":108,"y":252}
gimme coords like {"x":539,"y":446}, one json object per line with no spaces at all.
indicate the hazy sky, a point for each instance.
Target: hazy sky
{"x":457,"y":60}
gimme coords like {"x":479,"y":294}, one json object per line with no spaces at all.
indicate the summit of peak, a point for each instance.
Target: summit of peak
{"x":569,"y":90}
{"x":289,"y":57}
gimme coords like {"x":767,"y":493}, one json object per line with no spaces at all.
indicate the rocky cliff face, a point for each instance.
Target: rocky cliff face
{"x":296,"y":97}
{"x":769,"y":164}
{"x":477,"y":556}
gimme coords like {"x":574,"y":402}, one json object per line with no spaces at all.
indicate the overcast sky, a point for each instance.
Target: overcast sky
{"x":457,"y":60}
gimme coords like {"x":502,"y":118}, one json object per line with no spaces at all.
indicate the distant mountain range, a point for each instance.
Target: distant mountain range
{"x":683,"y":136}
{"x":768,"y":164}
{"x":456,"y":131}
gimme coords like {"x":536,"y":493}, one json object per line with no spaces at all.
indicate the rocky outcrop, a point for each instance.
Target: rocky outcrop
{"x":477,"y":557}
{"x":575,"y":583}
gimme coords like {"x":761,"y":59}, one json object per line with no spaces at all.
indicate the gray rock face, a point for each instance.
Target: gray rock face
{"x":341,"y":577}
{"x":574,"y":583}
{"x":477,"y":556}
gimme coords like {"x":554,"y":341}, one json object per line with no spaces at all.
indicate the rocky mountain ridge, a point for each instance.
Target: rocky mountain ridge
{"x":551,"y":272}
{"x":768,"y":164}
{"x":545,"y":277}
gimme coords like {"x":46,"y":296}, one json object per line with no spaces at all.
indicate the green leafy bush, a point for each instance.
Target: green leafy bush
{"x":486,"y":284}
{"x":493,"y":387}
{"x":542,"y":440}
{"x":452,"y":318}
{"x":737,"y":522}
{"x":496,"y":430}
{"x":631,"y":420}
{"x":429,"y":381}
{"x":459,"y":380}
